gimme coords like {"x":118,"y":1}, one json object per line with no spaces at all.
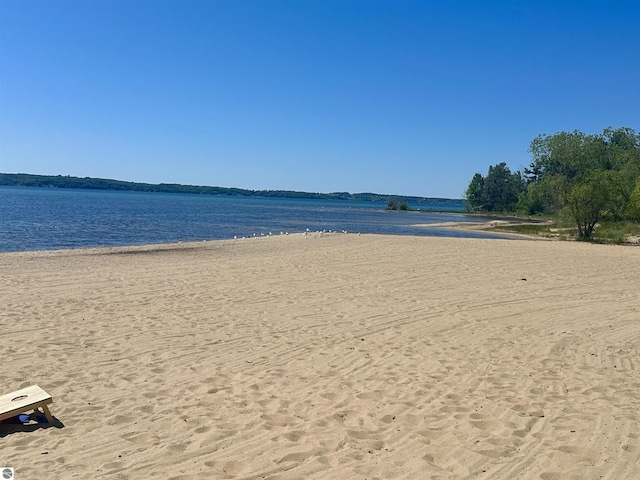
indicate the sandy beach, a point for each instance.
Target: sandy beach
{"x":326,"y":357}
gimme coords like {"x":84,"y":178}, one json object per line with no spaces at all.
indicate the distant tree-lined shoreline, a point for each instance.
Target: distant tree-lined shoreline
{"x":60,"y":181}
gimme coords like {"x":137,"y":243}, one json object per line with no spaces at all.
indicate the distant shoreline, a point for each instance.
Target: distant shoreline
{"x":61,"y":181}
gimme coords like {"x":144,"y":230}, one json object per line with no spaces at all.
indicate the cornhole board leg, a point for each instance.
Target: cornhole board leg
{"x":47,"y":414}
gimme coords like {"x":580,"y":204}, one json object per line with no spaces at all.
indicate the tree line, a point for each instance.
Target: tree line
{"x":584,"y":178}
{"x":65,"y":181}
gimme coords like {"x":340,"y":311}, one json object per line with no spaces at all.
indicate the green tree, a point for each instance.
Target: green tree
{"x":565,"y":160}
{"x":586,"y":201}
{"x":587,"y":178}
{"x":633,"y":207}
{"x":621,"y":149}
{"x":570,"y":154}
{"x":500,"y":189}
{"x":474,"y":193}
{"x":392,"y":204}
{"x":545,"y":196}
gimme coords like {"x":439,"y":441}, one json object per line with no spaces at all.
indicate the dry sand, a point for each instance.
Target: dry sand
{"x":327,"y":357}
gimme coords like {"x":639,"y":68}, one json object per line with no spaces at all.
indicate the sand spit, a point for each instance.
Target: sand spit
{"x":326,"y":357}
{"x":485,"y":227}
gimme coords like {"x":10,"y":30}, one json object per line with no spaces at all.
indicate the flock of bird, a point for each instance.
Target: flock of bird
{"x":305,"y":234}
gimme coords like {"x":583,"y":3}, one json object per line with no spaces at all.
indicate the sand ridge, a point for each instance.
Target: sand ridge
{"x":327,"y":357}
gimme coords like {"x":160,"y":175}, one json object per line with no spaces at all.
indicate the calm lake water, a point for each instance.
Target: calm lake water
{"x":51,"y":218}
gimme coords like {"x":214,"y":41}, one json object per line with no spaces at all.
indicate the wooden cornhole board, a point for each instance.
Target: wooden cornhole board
{"x":25,"y":400}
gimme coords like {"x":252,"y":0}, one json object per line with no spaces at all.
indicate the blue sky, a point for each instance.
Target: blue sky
{"x":393,"y":97}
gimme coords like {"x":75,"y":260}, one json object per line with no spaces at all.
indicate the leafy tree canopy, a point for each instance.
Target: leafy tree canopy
{"x":497,"y":192}
{"x":583,"y":177}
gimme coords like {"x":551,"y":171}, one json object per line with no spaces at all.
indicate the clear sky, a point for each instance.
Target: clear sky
{"x":386,"y":96}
